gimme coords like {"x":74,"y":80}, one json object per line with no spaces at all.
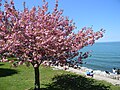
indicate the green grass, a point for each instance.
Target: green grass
{"x":22,"y":78}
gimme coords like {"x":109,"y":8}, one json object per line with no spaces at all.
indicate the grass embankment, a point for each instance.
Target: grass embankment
{"x":22,"y":78}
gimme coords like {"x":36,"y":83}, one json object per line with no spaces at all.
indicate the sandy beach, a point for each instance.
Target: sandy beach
{"x":98,"y":75}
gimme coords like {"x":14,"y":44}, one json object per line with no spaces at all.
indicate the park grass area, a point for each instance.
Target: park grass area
{"x":22,"y":78}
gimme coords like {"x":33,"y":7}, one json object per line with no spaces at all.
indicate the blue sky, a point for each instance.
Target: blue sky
{"x":99,"y":13}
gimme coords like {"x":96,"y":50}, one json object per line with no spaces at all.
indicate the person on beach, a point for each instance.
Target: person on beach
{"x":114,"y":71}
{"x":89,"y":73}
{"x":118,"y":71}
{"x":107,"y":72}
{"x":66,"y":67}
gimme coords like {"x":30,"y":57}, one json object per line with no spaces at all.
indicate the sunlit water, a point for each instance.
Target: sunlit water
{"x":105,"y":56}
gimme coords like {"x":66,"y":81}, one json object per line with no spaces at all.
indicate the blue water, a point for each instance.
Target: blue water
{"x":105,"y":56}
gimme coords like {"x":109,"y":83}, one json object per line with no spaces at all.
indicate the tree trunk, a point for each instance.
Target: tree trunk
{"x":37,"y":78}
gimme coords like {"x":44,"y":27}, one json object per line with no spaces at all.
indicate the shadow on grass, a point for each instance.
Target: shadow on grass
{"x":74,"y":82}
{"x":1,"y":64}
{"x":7,"y":72}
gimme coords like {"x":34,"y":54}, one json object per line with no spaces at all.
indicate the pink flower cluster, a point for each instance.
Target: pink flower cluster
{"x":32,"y":35}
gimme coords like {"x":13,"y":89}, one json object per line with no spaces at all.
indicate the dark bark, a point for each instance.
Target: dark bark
{"x":37,"y":78}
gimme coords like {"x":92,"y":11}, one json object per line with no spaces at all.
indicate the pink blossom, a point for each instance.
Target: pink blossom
{"x":30,"y":60}
{"x":4,"y":60}
{"x":36,"y":65}
{"x":20,"y":63}
{"x":35,"y":33}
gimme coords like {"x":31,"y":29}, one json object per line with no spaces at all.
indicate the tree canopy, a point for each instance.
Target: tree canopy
{"x":35,"y":34}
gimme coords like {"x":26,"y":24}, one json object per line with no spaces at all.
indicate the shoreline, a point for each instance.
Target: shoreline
{"x":98,"y":74}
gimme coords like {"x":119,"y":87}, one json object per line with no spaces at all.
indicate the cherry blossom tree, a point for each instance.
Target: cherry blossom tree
{"x":32,"y":36}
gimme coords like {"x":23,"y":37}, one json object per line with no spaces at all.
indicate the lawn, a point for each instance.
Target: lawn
{"x":22,"y":78}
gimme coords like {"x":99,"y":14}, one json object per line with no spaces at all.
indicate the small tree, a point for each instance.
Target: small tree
{"x":35,"y":35}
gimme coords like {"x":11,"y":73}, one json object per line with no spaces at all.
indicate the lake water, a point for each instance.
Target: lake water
{"x":105,"y":56}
